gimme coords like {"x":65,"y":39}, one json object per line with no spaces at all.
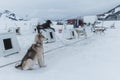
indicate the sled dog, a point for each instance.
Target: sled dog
{"x":35,"y":52}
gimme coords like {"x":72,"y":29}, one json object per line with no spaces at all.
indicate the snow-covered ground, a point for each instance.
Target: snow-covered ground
{"x":94,"y":58}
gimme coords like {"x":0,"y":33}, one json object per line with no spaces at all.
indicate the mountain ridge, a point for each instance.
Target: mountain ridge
{"x":8,"y":15}
{"x":113,"y":14}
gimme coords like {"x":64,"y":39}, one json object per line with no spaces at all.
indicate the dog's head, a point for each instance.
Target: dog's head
{"x":39,"y":38}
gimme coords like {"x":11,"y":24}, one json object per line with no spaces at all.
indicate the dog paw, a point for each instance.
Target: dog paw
{"x":43,"y":66}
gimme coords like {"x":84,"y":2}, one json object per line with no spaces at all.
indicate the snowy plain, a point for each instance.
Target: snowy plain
{"x":96,"y":57}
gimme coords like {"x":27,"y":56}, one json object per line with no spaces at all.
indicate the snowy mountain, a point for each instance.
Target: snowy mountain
{"x":113,"y":14}
{"x":8,"y":15}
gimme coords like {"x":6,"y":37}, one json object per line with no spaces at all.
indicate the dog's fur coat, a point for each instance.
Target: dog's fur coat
{"x":35,"y":52}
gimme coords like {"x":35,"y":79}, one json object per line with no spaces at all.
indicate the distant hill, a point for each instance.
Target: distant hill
{"x":8,"y":15}
{"x":113,"y":14}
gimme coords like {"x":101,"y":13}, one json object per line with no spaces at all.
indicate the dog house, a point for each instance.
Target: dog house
{"x":71,"y":34}
{"x":15,"y":29}
{"x":8,"y":44}
{"x":49,"y":35}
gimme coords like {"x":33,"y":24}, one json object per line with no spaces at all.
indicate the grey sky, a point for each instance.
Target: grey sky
{"x":57,"y":8}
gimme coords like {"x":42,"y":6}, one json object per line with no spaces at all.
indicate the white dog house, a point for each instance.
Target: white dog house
{"x":49,"y":35}
{"x":71,"y":34}
{"x":8,"y":44}
{"x":15,"y":29}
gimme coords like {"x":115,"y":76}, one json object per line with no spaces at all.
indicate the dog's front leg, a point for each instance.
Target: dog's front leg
{"x":41,"y":60}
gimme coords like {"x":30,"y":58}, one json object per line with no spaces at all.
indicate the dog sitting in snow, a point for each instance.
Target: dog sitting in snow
{"x":35,"y":52}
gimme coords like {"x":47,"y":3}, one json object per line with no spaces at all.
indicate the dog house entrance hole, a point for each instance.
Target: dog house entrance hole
{"x":7,"y":43}
{"x":73,"y":33}
{"x":51,"y":35}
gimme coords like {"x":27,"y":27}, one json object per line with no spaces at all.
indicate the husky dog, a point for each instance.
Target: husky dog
{"x":44,"y":26}
{"x":35,"y":52}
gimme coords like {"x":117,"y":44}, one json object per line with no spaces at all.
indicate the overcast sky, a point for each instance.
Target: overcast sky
{"x":57,"y":8}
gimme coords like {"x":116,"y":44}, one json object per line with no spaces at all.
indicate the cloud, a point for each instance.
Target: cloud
{"x":57,"y":8}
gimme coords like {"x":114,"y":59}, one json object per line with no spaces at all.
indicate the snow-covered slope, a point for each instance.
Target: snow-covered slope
{"x":113,"y":14}
{"x":8,"y":15}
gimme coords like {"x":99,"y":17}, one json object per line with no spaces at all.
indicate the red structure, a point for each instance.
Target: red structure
{"x":70,"y":21}
{"x":79,"y":22}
